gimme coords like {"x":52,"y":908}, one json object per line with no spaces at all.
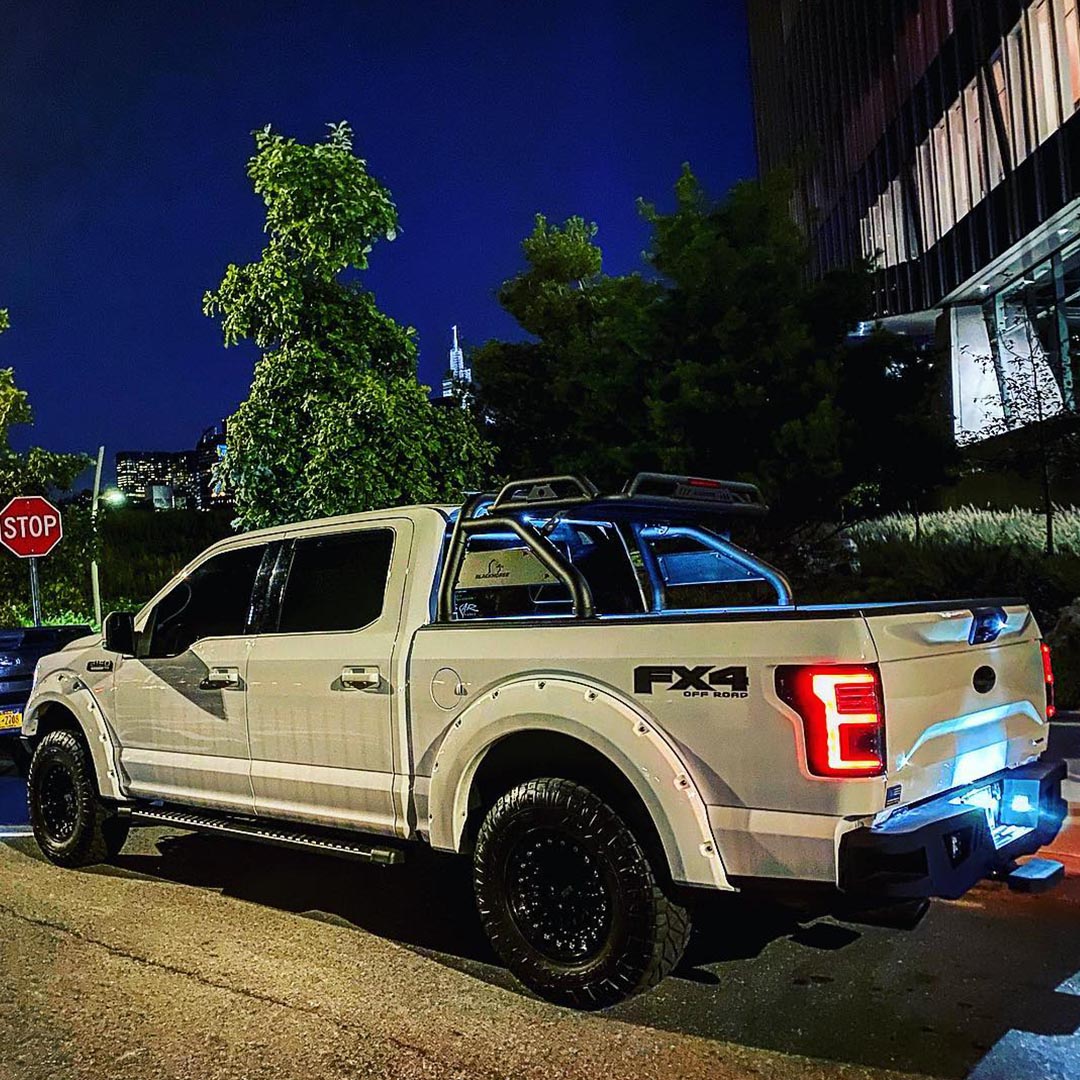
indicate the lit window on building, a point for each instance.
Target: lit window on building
{"x":1032,"y":85}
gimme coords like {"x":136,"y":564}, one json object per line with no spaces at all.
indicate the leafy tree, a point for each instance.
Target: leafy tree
{"x":728,"y":360}
{"x":574,"y":399}
{"x":1032,"y":433}
{"x":898,"y":447}
{"x":38,"y":472}
{"x":336,"y":420}
{"x":749,"y":348}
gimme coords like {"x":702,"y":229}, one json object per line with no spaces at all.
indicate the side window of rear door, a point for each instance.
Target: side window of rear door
{"x":336,"y":582}
{"x":214,"y":600}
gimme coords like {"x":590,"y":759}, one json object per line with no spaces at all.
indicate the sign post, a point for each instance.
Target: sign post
{"x":31,"y":527}
{"x":35,"y":592}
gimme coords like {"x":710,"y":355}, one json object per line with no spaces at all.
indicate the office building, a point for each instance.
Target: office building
{"x":941,"y":140}
{"x":176,"y":480}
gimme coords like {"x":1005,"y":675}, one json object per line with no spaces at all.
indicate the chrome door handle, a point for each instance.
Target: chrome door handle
{"x":221,"y":678}
{"x":366,"y":677}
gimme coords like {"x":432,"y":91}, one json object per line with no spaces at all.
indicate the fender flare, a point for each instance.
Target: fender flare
{"x":67,"y":690}
{"x":602,"y":720}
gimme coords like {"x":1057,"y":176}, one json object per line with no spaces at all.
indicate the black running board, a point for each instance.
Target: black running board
{"x":265,"y":833}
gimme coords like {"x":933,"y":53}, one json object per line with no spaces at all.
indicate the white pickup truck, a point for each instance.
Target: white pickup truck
{"x":603,"y":701}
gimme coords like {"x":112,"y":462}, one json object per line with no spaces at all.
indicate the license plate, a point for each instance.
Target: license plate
{"x":10,"y":718}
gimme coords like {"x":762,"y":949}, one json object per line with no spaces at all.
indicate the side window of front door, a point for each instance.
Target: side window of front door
{"x":214,"y":600}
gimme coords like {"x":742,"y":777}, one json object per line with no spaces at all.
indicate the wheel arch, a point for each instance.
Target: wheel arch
{"x":66,"y":703}
{"x":561,"y":726}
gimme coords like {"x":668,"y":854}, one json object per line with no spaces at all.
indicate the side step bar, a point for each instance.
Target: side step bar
{"x":265,"y":833}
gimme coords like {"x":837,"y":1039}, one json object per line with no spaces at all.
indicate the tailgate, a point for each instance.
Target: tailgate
{"x":957,"y":711}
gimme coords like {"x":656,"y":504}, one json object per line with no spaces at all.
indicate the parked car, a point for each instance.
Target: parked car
{"x":602,"y":701}
{"x":21,"y":647}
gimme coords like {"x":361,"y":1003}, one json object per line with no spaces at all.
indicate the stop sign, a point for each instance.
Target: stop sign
{"x":30,"y":526}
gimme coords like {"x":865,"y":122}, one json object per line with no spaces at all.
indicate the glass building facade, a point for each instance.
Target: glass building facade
{"x":941,"y":140}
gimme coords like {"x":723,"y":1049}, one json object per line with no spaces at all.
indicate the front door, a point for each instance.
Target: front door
{"x":180,"y":710}
{"x":321,"y":681}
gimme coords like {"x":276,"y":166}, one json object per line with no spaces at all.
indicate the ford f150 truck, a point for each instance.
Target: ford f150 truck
{"x":603,"y":701}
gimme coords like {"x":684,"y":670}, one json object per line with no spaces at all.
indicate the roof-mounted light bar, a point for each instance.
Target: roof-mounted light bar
{"x":732,"y":496}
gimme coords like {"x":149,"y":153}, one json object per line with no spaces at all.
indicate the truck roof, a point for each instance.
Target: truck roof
{"x":274,"y":532}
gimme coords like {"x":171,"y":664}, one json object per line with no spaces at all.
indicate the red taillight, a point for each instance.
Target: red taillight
{"x":1048,"y":678}
{"x":843,"y":719}
{"x":700,"y":482}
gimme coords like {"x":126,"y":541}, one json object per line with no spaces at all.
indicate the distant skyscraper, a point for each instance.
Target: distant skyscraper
{"x":209,"y":453}
{"x":460,"y":374}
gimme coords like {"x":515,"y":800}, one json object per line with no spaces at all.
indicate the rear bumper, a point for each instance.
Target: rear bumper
{"x":942,"y":848}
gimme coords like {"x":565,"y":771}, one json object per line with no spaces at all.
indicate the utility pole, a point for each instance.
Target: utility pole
{"x":95,"y":580}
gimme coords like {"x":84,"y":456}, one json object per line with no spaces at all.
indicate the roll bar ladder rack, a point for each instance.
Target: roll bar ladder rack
{"x":534,"y":493}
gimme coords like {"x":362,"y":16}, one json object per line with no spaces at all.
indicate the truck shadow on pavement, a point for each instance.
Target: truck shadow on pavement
{"x":935,"y":1000}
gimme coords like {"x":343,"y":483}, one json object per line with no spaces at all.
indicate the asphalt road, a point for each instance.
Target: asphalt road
{"x":198,"y":957}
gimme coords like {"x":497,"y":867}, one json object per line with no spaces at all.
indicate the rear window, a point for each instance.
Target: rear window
{"x":501,"y":577}
{"x":695,"y":575}
{"x":631,"y":566}
{"x":336,"y":582}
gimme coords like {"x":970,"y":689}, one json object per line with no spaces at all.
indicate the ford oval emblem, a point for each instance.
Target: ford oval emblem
{"x":984,"y":678}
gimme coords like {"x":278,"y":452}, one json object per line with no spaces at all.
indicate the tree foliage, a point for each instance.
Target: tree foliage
{"x":727,"y":359}
{"x":336,"y":420}
{"x":574,"y":398}
{"x":36,"y":471}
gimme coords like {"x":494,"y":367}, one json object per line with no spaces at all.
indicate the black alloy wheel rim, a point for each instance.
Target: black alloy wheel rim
{"x":59,"y":803}
{"x":559,"y":898}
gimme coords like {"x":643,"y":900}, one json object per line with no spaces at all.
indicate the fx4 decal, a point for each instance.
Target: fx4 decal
{"x":698,"y":681}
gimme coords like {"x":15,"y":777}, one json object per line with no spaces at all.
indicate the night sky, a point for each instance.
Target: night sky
{"x":124,"y":129}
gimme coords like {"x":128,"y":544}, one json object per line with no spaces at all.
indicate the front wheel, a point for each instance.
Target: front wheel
{"x":569,"y":898}
{"x":72,"y":826}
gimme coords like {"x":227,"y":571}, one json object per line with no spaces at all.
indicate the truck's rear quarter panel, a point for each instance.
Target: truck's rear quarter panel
{"x":742,"y":749}
{"x":742,"y":746}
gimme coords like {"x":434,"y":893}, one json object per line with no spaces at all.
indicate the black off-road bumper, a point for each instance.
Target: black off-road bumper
{"x":943,"y":847}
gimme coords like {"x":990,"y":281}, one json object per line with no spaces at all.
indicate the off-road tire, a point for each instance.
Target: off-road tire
{"x":551,"y":840}
{"x":72,"y":825}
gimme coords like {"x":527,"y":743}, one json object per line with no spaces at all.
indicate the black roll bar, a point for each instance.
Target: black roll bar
{"x":541,"y":547}
{"x":541,"y":489}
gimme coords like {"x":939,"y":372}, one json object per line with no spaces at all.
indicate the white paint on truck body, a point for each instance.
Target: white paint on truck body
{"x":723,"y":776}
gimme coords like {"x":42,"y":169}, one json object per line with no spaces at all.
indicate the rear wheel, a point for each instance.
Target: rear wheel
{"x":569,"y":898}
{"x":72,"y":825}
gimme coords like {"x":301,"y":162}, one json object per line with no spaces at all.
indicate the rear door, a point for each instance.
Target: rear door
{"x":955,"y":710}
{"x":321,"y":698}
{"x":180,"y":712}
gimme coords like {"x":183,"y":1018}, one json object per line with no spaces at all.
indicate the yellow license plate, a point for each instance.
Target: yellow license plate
{"x":10,"y":718}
